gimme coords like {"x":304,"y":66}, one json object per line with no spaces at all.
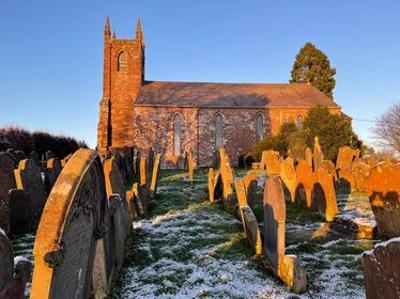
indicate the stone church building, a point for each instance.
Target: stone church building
{"x":172,"y":117}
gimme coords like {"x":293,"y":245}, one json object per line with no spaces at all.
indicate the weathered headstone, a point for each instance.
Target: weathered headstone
{"x":144,"y":183}
{"x":35,"y":157}
{"x":115,"y":184}
{"x":344,"y":161}
{"x":383,"y":188}
{"x":251,"y":229}
{"x":288,"y":176}
{"x":360,"y":171}
{"x":305,"y":182}
{"x":382,"y":270}
{"x":23,"y":213}
{"x":211,"y":183}
{"x":274,"y":221}
{"x":287,"y":267}
{"x":65,"y":160}
{"x":141,"y":205}
{"x":49,"y":155}
{"x":73,"y":223}
{"x":227,"y":179}
{"x":318,"y":156}
{"x":190,"y":164}
{"x":250,"y":185}
{"x":241,"y":193}
{"x":19,"y":156}
{"x":308,"y":156}
{"x":324,"y":196}
{"x":272,"y":162}
{"x":150,"y":159}
{"x":6,"y":261}
{"x":133,"y":208}
{"x":29,"y":179}
{"x":7,"y":182}
{"x":154,"y":176}
{"x":52,"y":171}
{"x":330,"y":167}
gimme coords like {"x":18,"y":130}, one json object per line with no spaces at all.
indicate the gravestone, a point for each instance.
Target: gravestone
{"x":128,"y":163}
{"x":144,"y":183}
{"x":330,"y":167}
{"x":274,"y":221}
{"x":150,"y":159}
{"x":115,"y":184}
{"x":141,"y":205}
{"x":65,"y":160}
{"x":6,"y":261}
{"x":133,"y":208}
{"x":250,"y":185}
{"x":344,"y":162}
{"x":19,"y":156}
{"x":308,"y":156}
{"x":360,"y":171}
{"x":49,"y":155}
{"x":241,"y":194}
{"x":251,"y":229}
{"x":227,"y":179}
{"x":29,"y":179}
{"x":211,"y":184}
{"x":287,"y":267}
{"x":383,"y":189}
{"x":272,"y":162}
{"x":52,"y":171}
{"x":190,"y":165}
{"x":288,"y":176}
{"x":154,"y":176}
{"x":305,"y":183}
{"x":73,"y":223}
{"x":23,"y":215}
{"x":324,"y":195}
{"x":382,"y":270}
{"x":35,"y":157}
{"x":7,"y":182}
{"x":318,"y":156}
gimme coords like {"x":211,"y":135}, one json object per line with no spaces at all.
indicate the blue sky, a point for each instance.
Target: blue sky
{"x":51,"y":51}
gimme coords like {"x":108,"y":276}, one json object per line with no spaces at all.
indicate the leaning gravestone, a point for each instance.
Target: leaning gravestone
{"x":250,"y":185}
{"x":154,"y":176}
{"x":133,"y":208}
{"x":382,"y":270}
{"x":305,"y":182}
{"x":287,"y":267}
{"x":144,"y":183}
{"x":324,"y":196}
{"x":73,"y":224}
{"x":274,"y":221}
{"x":288,"y":176}
{"x":211,"y":183}
{"x":52,"y":171}
{"x":29,"y":179}
{"x":241,"y":194}
{"x":190,"y":165}
{"x":318,"y":156}
{"x":7,"y":182}
{"x":251,"y":229}
{"x":383,"y":188}
{"x":116,"y":192}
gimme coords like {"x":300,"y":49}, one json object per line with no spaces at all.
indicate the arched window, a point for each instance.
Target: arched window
{"x":299,"y":121}
{"x":219,"y":134}
{"x":259,"y":127}
{"x":122,"y":63}
{"x":177,"y":134}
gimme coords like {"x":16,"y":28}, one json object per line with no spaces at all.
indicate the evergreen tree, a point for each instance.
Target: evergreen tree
{"x":313,"y":66}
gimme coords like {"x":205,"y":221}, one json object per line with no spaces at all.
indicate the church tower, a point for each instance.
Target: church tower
{"x":123,"y":76}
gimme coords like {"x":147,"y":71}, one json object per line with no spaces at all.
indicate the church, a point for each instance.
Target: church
{"x":173,"y":117}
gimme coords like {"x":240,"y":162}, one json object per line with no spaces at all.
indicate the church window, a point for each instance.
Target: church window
{"x":122,"y":62}
{"x":219,"y":131}
{"x":177,"y":120}
{"x":299,"y":121}
{"x":259,"y":127}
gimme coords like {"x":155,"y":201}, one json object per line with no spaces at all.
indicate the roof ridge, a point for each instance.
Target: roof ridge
{"x":224,"y":83}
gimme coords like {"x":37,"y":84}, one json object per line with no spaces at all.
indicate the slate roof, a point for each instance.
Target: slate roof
{"x":204,"y":94}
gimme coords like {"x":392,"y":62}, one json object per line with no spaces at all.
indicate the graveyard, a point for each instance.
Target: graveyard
{"x":208,"y":149}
